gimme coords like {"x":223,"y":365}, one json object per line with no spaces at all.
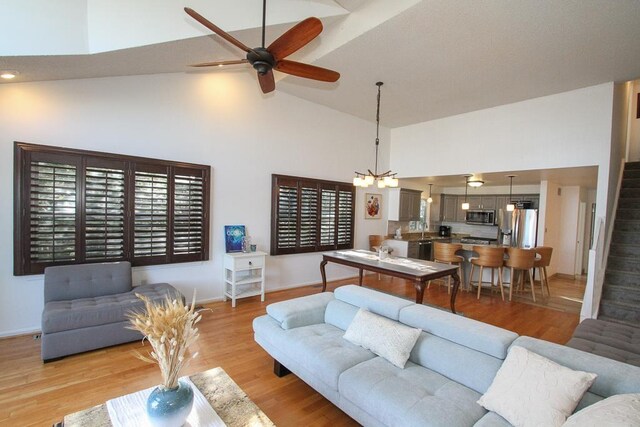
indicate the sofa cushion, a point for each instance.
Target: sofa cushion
{"x":86,"y":312}
{"x":371,"y":300}
{"x":320,"y":348}
{"x":301,"y":311}
{"x":491,"y":419}
{"x":67,"y":282}
{"x":531,"y":390}
{"x":413,"y":396}
{"x":621,"y":410}
{"x":385,"y":337}
{"x":613,"y":377}
{"x":470,"y":333}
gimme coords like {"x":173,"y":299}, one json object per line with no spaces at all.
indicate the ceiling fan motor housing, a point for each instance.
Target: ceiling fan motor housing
{"x":261,"y":59}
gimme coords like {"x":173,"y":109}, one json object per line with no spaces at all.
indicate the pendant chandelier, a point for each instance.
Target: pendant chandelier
{"x":430,"y":199}
{"x":465,"y":204}
{"x":386,"y":179}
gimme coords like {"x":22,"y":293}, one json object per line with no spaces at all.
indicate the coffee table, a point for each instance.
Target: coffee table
{"x":225,"y":396}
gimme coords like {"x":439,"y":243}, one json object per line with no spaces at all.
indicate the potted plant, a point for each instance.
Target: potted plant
{"x":170,"y":327}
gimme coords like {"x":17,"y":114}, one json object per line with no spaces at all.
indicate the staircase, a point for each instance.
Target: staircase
{"x":621,"y":291}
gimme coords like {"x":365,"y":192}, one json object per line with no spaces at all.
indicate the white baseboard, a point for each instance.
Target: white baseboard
{"x":19,"y":332}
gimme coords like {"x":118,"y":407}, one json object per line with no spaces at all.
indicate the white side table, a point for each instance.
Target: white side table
{"x":243,"y":275}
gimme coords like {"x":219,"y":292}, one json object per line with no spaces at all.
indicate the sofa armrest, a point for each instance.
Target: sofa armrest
{"x":303,"y":311}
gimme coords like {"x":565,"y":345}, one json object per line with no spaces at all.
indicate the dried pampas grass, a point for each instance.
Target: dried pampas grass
{"x":169,"y":326}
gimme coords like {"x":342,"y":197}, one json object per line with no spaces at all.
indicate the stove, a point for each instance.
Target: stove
{"x":478,"y":240}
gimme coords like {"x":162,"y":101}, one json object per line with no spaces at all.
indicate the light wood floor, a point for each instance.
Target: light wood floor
{"x":35,"y":394}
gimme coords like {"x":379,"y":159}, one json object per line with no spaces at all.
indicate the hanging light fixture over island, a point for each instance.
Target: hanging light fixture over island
{"x":386,"y":179}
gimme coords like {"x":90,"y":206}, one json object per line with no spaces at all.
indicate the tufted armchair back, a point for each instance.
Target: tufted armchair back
{"x":68,"y":282}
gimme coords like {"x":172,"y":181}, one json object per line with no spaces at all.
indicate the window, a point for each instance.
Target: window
{"x":76,"y":206}
{"x":310,"y":215}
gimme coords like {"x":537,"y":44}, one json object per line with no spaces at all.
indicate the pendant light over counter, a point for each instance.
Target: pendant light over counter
{"x":510,"y":205}
{"x":386,"y":179}
{"x":465,"y":205}
{"x":430,"y":199}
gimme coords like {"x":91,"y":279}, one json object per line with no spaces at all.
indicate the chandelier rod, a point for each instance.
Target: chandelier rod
{"x":379,"y":84}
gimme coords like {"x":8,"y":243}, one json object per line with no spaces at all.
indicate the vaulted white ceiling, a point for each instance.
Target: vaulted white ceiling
{"x":437,"y":57}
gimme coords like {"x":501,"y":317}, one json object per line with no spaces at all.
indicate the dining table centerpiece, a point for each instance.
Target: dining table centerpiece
{"x":169,"y":325}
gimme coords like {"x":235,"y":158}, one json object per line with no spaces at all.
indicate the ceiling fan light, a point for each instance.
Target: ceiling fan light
{"x":510,"y":207}
{"x":465,"y":206}
{"x":369,"y":180}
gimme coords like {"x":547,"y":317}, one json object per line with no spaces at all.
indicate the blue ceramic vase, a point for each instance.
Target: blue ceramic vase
{"x":170,"y":407}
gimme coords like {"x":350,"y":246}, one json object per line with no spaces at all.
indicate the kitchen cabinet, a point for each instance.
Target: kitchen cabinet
{"x":448,"y":208}
{"x":481,"y":202}
{"x":461,"y":215}
{"x":404,"y":204}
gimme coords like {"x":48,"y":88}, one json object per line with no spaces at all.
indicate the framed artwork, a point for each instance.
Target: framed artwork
{"x":233,"y":235}
{"x":372,"y":206}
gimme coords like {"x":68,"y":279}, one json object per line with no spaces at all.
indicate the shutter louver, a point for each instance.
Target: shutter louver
{"x":308,"y":217}
{"x":327,"y":217}
{"x":287,"y":217}
{"x":345,"y":217}
{"x":52,"y":211}
{"x":150,"y":218}
{"x":188,"y":214}
{"x":104,"y":213}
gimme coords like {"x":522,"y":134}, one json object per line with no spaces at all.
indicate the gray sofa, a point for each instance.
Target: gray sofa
{"x":86,"y":306}
{"x":608,"y":339}
{"x":451,"y":365}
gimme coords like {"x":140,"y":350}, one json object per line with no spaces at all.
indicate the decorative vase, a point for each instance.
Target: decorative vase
{"x":170,"y":407}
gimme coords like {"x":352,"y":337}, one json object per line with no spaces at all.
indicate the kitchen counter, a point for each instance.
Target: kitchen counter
{"x":417,"y":236}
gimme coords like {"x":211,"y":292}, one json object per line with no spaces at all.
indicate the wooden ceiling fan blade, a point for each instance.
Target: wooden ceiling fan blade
{"x":295,"y":38}
{"x":307,"y":71}
{"x":220,"y":63}
{"x":219,"y":31}
{"x":267,"y":82}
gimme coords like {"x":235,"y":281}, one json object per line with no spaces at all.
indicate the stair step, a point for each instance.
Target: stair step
{"x":623,"y":250}
{"x":629,"y":264}
{"x":622,"y":322}
{"x":630,"y":182}
{"x":626,"y":237}
{"x":629,"y":202}
{"x":631,"y":165}
{"x":629,"y":192}
{"x":631,"y":174}
{"x":626,"y":225}
{"x":622,"y":278}
{"x":621,"y":311}
{"x":628,"y":213}
{"x":617,"y":293}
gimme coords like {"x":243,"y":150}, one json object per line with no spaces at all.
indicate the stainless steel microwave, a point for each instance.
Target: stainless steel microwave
{"x":480,"y":217}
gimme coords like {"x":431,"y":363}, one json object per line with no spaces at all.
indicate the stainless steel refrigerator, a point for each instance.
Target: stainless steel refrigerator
{"x":524,"y":228}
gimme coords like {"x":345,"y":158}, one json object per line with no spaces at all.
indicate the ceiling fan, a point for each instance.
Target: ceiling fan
{"x":266,"y":59}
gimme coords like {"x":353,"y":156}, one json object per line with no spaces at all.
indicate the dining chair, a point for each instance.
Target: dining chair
{"x":446,"y":254}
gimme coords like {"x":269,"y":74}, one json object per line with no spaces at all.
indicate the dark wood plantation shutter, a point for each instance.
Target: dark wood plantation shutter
{"x":189,"y":219}
{"x":151,"y":213}
{"x":50,"y":211}
{"x":310,"y":215}
{"x":77,"y":206}
{"x":105,"y":204}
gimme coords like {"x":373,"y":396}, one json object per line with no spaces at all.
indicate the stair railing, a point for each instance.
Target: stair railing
{"x":598,"y":256}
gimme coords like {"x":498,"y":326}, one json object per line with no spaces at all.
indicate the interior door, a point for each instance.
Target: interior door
{"x":582,"y":210}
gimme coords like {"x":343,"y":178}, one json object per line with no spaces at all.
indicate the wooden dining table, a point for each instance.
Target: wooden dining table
{"x":418,"y":271}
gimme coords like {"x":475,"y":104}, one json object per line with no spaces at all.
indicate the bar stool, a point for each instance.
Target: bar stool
{"x":491,"y":257}
{"x":521,"y":260}
{"x":542,"y":263}
{"x":446,"y":253}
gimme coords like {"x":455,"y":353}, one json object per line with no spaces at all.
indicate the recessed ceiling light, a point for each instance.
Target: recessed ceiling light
{"x":8,"y":74}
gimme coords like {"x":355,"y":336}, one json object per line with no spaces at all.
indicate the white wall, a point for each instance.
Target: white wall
{"x":216,"y":119}
{"x":565,"y":250}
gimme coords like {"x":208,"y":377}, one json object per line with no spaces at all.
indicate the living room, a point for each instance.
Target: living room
{"x":221,"y":119}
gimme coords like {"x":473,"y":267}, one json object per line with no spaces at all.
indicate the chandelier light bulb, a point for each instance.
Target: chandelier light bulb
{"x":357,"y":181}
{"x":369,"y":180}
{"x":381,"y":183}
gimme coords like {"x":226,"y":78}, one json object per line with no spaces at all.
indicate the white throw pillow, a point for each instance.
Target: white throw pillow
{"x":621,"y":410}
{"x":385,"y":337}
{"x":531,"y":390}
